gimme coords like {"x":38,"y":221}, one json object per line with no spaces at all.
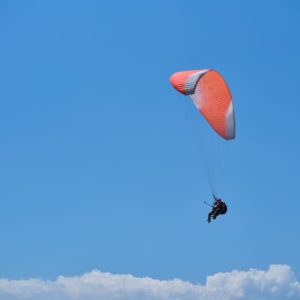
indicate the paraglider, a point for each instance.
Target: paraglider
{"x":219,"y":207}
{"x":211,"y":96}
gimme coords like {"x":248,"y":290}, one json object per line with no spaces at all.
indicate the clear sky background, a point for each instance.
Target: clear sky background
{"x":98,"y":168}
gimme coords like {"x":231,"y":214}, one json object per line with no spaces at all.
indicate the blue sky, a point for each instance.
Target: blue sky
{"x":98,"y":168}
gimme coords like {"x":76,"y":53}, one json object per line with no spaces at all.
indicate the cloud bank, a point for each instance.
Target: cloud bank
{"x":276,"y":283}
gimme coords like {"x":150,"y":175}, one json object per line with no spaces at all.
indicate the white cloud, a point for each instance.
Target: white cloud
{"x":277,"y":283}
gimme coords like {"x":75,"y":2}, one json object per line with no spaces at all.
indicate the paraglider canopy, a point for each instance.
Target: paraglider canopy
{"x":211,"y":96}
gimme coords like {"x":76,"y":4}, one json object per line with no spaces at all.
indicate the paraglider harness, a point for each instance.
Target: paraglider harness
{"x":221,"y":207}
